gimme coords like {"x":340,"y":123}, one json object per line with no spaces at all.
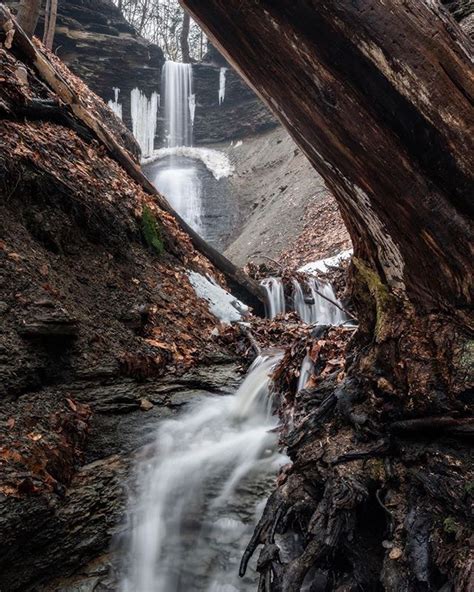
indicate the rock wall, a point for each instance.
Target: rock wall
{"x":99,"y":45}
{"x":240,"y":114}
{"x":280,"y":197}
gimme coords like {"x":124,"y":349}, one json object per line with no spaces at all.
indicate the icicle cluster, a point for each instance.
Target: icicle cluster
{"x":144,"y":118}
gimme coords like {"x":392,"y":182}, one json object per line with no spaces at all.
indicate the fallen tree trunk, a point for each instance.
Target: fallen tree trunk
{"x":378,"y":94}
{"x":240,"y":284}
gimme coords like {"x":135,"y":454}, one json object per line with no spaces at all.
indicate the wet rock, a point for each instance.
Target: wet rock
{"x":52,"y":323}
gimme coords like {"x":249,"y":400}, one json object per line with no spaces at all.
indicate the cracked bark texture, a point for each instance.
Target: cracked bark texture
{"x":378,"y":94}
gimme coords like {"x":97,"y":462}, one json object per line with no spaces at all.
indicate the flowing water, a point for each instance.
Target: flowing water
{"x":177,"y":177}
{"x":275,"y":296}
{"x":315,"y":301}
{"x":200,"y":490}
{"x":179,"y":103}
{"x":179,"y":180}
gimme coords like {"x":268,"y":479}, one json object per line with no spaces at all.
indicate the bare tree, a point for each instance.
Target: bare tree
{"x":184,"y":38}
{"x":28,"y":14}
{"x":165,"y":23}
{"x":51,"y":14}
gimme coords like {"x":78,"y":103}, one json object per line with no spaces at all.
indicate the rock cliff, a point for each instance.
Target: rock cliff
{"x":101,"y":47}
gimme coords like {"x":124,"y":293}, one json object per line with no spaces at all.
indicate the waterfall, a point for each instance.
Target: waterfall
{"x":178,"y":177}
{"x":299,"y":303}
{"x":200,"y":485}
{"x":313,"y":308}
{"x":275,"y":296}
{"x":115,"y":105}
{"x":308,"y":301}
{"x":144,"y":118}
{"x":305,"y":372}
{"x":222,"y":74}
{"x":180,"y":103}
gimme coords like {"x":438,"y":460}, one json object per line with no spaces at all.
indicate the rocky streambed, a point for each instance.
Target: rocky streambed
{"x":61,"y":542}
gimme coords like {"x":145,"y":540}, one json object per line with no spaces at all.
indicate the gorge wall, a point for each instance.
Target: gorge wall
{"x":101,"y":47}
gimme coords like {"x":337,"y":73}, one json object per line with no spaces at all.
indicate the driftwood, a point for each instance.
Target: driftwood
{"x":243,"y":286}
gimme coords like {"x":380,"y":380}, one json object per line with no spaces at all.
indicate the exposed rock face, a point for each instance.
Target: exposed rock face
{"x":463,"y":12}
{"x":240,"y":114}
{"x":279,"y":194}
{"x":91,"y":317}
{"x":101,"y":47}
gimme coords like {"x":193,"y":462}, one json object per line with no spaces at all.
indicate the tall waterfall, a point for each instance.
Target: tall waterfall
{"x":177,"y":176}
{"x":200,"y":487}
{"x":180,"y":103}
{"x":144,"y":118}
{"x":274,"y":296}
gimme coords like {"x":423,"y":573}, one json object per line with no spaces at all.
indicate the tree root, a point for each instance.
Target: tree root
{"x":389,"y":514}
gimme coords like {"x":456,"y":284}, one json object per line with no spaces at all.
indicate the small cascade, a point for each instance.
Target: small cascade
{"x":201,"y":484}
{"x":275,"y":296}
{"x":115,"y":105}
{"x":299,"y":303}
{"x":318,"y":305}
{"x":314,"y":301}
{"x":179,"y":103}
{"x":324,"y":310}
{"x":305,"y":372}
{"x":144,"y":119}
{"x":222,"y":75}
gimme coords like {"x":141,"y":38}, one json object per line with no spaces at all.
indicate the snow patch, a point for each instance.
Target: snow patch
{"x":216,"y":162}
{"x":323,"y":265}
{"x":222,"y":305}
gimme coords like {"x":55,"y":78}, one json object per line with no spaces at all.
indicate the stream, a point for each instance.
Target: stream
{"x":201,"y":489}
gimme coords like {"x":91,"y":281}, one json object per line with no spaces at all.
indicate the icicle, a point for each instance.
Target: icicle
{"x":192,"y":107}
{"x":222,"y":75}
{"x":144,"y":115}
{"x":115,"y":105}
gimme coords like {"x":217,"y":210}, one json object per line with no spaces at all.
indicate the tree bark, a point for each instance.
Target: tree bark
{"x":378,"y":94}
{"x":28,"y":15}
{"x":184,"y":38}
{"x":50,"y":23}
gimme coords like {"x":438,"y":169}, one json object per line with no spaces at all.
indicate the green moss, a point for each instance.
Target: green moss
{"x":469,"y":488}
{"x":384,"y":300}
{"x":151,"y":231}
{"x":467,"y":359}
{"x":450,"y":526}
